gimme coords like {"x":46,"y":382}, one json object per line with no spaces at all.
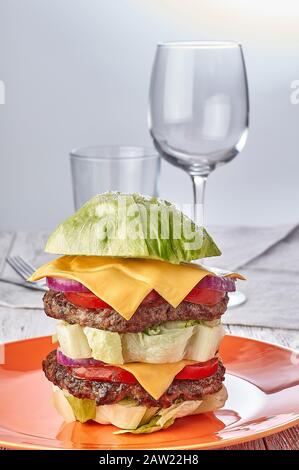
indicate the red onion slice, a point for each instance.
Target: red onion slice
{"x":65,"y":285}
{"x":222,"y":283}
{"x":69,"y":362}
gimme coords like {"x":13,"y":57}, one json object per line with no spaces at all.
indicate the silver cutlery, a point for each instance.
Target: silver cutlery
{"x":29,"y":285}
{"x":25,"y":270}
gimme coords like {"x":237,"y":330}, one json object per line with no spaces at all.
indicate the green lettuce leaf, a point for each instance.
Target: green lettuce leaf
{"x":165,"y":343}
{"x":122,"y":414}
{"x":173,"y":341}
{"x":124,"y":225}
{"x":168,"y":346}
{"x":83,"y":408}
{"x":73,"y":342}
{"x":105,"y":345}
{"x":173,"y":325}
{"x":128,"y":415}
{"x":148,"y":428}
{"x":165,"y":417}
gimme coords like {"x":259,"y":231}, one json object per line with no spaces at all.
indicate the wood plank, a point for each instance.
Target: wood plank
{"x":288,"y":338}
{"x":29,"y":245}
{"x":6,"y":241}
{"x":286,"y":440}
{"x":258,"y":444}
{"x":18,"y":323}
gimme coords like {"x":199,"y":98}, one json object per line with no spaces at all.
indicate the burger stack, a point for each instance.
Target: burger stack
{"x":139,"y":325}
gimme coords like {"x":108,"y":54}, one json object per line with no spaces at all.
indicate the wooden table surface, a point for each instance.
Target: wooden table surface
{"x":22,"y":323}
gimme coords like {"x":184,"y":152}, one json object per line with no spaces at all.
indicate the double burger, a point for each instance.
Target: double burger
{"x":139,"y":323}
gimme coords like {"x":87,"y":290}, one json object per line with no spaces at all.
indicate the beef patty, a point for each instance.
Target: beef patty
{"x":105,"y":393}
{"x":153,"y":313}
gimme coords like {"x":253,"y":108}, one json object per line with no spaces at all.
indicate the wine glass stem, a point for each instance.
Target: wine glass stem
{"x":199,"y":186}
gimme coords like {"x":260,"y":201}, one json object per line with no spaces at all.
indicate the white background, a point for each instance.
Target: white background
{"x":77,"y":73}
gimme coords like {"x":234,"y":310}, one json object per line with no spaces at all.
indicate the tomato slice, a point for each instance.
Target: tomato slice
{"x":85,"y":300}
{"x":109,"y":373}
{"x":198,"y":295}
{"x":90,"y":300}
{"x":201,"y":295}
{"x":151,"y":297}
{"x":199,"y":370}
{"x":105,"y":374}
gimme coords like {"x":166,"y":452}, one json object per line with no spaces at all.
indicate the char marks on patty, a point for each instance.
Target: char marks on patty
{"x":146,"y":316}
{"x":105,"y":393}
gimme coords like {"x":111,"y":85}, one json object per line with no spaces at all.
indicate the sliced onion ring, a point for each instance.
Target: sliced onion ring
{"x":222,"y":283}
{"x":65,"y":285}
{"x":69,"y":362}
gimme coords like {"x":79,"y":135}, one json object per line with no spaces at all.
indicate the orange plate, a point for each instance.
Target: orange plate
{"x":263,"y":387}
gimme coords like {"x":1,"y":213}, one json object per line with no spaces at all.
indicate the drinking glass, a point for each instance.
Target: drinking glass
{"x":113,"y":168}
{"x":199,"y":111}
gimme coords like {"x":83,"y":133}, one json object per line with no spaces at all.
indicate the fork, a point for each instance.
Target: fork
{"x":25,"y":270}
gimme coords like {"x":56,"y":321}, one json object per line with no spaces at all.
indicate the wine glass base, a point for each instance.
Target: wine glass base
{"x":236,"y":298}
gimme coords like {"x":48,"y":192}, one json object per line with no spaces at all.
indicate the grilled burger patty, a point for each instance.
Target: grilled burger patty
{"x":105,"y":393}
{"x":153,"y":313}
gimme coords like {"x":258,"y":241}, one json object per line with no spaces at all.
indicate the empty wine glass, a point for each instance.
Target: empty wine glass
{"x":199,"y":111}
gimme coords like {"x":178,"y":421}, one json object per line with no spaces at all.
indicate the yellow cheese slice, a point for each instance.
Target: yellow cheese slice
{"x":155,"y":378}
{"x":124,"y":282}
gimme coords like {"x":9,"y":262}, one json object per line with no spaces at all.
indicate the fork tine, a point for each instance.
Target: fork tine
{"x":21,"y":267}
{"x":18,"y":267}
{"x":30,"y":269}
{"x":13,"y":262}
{"x":13,"y":265}
{"x":27,"y":267}
{"x":24,"y":269}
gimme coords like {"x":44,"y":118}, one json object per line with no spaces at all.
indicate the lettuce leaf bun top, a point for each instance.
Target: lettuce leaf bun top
{"x":133,"y":226}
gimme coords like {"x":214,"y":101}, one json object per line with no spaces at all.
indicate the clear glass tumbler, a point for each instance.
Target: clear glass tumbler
{"x":113,"y":168}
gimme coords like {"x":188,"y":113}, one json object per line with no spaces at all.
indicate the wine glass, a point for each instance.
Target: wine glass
{"x":199,"y":111}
